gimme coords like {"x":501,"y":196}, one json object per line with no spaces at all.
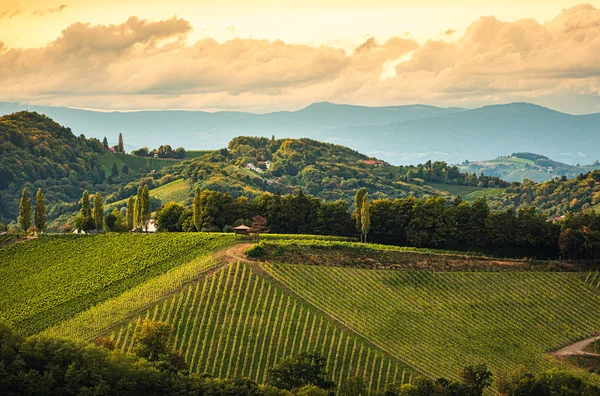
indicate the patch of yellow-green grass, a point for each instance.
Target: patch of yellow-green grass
{"x":178,"y":191}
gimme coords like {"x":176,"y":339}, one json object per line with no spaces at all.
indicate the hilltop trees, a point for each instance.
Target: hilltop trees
{"x":25,"y":211}
{"x":40,"y":211}
{"x":105,"y":143}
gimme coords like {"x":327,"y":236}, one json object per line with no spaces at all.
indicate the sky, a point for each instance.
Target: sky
{"x":267,"y":55}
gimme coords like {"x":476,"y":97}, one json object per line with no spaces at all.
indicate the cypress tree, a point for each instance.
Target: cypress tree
{"x":365,"y":215}
{"x":358,"y":201}
{"x":114,"y":172}
{"x":130,"y":212}
{"x":146,"y":207}
{"x":40,"y":211}
{"x":137,"y":215}
{"x":197,"y":210}
{"x":105,"y":143}
{"x":86,"y":211}
{"x":98,"y":211}
{"x":25,"y":211}
{"x":120,"y":148}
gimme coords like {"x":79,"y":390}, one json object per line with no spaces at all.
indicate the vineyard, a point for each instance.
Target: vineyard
{"x":238,"y":323}
{"x":197,"y":153}
{"x":52,"y":278}
{"x":178,"y":191}
{"x":454,"y":189}
{"x":440,"y":321}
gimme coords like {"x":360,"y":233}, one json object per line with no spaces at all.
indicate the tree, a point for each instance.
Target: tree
{"x":137,"y":217}
{"x":120,"y":148}
{"x":476,"y":378}
{"x":84,"y":221}
{"x":353,"y":386}
{"x":105,"y":143}
{"x":358,"y":201}
{"x":125,"y":169}
{"x":169,"y":217}
{"x":114,"y":172}
{"x":197,"y":207}
{"x":365,"y":215}
{"x":98,"y":211}
{"x":25,"y":211}
{"x":306,"y":368}
{"x":40,"y":211}
{"x":259,"y":225}
{"x":152,"y":339}
{"x":115,"y":222}
{"x":146,"y":210}
{"x":130,"y":212}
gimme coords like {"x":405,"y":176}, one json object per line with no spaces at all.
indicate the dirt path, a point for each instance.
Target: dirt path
{"x":577,"y":348}
{"x":234,"y":253}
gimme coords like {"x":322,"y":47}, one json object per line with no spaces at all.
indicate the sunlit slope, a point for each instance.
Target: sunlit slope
{"x":47,"y":280}
{"x":441,"y":321}
{"x":238,"y":322}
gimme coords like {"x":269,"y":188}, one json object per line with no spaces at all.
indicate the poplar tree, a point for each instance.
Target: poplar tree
{"x":120,"y":148}
{"x":25,"y":211}
{"x":40,"y":211}
{"x":86,"y":211}
{"x":98,"y":211}
{"x":197,"y":206}
{"x":365,"y":215}
{"x":146,"y":207}
{"x":130,"y":212}
{"x":358,"y":201}
{"x":105,"y":143}
{"x":137,"y":215}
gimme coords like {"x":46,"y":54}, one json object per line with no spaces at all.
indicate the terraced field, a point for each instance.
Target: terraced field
{"x":440,"y":321}
{"x":47,"y":280}
{"x":239,"y":323}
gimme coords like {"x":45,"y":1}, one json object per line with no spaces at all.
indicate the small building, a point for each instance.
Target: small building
{"x":242,"y":230}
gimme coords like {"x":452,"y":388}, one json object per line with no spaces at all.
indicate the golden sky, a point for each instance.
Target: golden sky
{"x":267,"y":55}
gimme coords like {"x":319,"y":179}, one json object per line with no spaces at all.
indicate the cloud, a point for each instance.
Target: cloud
{"x":9,"y":13}
{"x":146,"y":64}
{"x":45,"y":11}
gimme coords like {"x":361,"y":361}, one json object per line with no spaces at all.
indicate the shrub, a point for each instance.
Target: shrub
{"x":256,"y":251}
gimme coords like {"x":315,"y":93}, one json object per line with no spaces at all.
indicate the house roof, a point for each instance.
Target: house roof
{"x":242,"y":227}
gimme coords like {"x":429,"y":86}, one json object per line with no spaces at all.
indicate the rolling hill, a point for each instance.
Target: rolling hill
{"x":397,"y":134}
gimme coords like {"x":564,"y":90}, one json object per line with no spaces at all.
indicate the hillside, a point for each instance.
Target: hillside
{"x":51,"y":278}
{"x":205,"y":130}
{"x":233,"y":316}
{"x":520,"y":166}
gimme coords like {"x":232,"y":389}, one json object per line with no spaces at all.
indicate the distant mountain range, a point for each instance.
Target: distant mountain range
{"x":398,"y":134}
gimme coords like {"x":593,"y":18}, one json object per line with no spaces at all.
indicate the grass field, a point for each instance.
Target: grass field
{"x":107,"y":159}
{"x":178,"y":191}
{"x":441,"y":321}
{"x":52,"y":278}
{"x":239,"y":323}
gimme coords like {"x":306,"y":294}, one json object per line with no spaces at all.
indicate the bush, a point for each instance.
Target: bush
{"x":256,"y":251}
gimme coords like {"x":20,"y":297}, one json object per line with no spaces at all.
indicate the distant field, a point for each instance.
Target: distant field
{"x":484,"y":193}
{"x":238,"y":323}
{"x":196,"y":153}
{"x":107,"y":159}
{"x":453,"y":189}
{"x":178,"y":191}
{"x":49,"y":279}
{"x":515,"y":161}
{"x":440,"y":321}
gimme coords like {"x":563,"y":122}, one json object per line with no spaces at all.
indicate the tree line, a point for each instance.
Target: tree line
{"x":50,"y":366}
{"x":427,"y":223}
